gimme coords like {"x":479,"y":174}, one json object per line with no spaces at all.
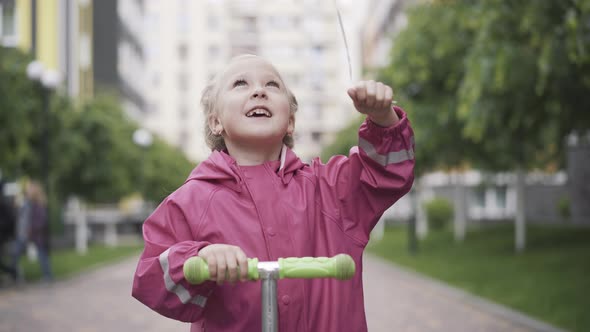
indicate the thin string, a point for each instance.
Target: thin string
{"x":346,"y":44}
{"x":344,"y":39}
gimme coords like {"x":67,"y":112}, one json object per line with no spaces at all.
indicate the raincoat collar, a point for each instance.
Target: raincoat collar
{"x":223,"y":168}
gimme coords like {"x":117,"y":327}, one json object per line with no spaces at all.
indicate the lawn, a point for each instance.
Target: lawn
{"x":67,"y":262}
{"x":549,"y":281}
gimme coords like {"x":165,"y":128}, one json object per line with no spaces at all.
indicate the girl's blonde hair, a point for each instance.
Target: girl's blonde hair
{"x":209,"y":103}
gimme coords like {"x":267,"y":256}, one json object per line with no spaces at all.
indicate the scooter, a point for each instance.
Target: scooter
{"x":341,"y":267}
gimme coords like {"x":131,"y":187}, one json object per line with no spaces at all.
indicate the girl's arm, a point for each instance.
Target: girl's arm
{"x":357,"y":189}
{"x":159,"y":280}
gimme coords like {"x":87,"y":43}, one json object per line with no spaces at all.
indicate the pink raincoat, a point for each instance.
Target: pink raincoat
{"x":277,"y":209}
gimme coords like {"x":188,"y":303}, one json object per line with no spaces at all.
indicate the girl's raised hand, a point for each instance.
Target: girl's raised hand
{"x":374,"y":99}
{"x":225,"y":262}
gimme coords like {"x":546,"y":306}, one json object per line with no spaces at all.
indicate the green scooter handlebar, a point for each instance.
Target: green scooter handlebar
{"x":341,"y":267}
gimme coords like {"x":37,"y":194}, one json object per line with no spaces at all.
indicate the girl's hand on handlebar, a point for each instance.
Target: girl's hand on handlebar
{"x":225,"y":262}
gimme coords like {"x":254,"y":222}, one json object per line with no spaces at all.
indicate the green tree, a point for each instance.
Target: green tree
{"x":20,"y":116}
{"x":495,"y":84}
{"x":165,"y":170}
{"x":92,"y":152}
{"x":101,"y":163}
{"x":97,"y":156}
{"x":345,"y":139}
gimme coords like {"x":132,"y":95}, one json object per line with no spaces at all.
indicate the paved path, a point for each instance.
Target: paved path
{"x":396,"y":300}
{"x":400,"y":300}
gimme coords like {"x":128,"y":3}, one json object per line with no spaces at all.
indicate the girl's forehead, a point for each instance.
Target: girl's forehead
{"x":250,"y":66}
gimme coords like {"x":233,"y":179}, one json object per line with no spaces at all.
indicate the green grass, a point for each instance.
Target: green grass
{"x":65,"y":263}
{"x":549,"y":281}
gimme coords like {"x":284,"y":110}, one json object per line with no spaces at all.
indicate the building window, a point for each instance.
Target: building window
{"x":249,"y":24}
{"x":183,"y":81}
{"x":316,"y":136}
{"x":213,"y":22}
{"x":479,"y":196}
{"x":156,"y":80}
{"x":7,"y":23}
{"x":214,"y":51}
{"x":501,"y":196}
{"x":182,"y":52}
{"x":317,"y":79}
{"x":294,"y":79}
{"x":183,"y":113}
{"x":316,"y":110}
{"x":183,"y":138}
{"x":183,"y":24}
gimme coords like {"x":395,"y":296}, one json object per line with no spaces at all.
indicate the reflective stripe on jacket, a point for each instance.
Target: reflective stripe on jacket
{"x":278,"y":209}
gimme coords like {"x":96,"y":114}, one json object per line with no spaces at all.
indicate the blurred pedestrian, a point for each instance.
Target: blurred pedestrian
{"x":7,"y":227}
{"x":33,"y":226}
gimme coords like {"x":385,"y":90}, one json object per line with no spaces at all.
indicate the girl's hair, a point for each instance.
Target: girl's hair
{"x":209,"y":104}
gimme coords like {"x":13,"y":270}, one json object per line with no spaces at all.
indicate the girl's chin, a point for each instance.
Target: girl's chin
{"x":260,"y":138}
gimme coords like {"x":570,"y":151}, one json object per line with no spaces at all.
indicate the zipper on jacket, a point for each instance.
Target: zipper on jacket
{"x":245,"y":183}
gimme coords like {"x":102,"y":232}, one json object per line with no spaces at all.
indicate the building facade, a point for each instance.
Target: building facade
{"x":384,"y":20}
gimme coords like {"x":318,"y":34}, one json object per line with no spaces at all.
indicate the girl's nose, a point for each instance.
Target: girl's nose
{"x":259,"y":93}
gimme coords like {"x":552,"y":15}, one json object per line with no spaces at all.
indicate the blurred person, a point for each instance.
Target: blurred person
{"x":33,"y":226}
{"x":7,"y":228}
{"x":253,"y":197}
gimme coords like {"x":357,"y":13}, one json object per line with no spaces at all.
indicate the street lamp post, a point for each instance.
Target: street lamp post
{"x":143,"y":138}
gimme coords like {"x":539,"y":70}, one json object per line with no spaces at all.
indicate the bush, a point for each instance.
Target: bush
{"x":439,"y":212}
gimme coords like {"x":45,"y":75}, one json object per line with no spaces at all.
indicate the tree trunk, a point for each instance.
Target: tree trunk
{"x":520,"y":222}
{"x":421,"y":222}
{"x":412,"y":237}
{"x":460,"y":213}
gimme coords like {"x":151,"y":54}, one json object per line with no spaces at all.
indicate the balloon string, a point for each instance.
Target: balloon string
{"x":346,"y":44}
{"x":345,"y":40}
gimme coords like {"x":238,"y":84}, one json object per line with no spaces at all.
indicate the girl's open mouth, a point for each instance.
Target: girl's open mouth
{"x":258,"y":113}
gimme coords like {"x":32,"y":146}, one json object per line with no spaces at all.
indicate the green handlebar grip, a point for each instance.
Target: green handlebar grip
{"x":340,"y":267}
{"x":196,"y":270}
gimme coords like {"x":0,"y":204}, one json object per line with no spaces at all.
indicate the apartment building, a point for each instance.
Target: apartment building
{"x":385,"y":18}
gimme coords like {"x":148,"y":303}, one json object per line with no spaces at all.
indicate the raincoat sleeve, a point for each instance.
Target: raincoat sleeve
{"x":357,"y":189}
{"x":159,"y":279}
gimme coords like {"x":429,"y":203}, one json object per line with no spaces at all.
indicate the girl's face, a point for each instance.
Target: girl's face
{"x":253,"y":105}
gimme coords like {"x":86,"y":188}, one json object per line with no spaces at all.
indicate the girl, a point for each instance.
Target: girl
{"x":254,"y":198}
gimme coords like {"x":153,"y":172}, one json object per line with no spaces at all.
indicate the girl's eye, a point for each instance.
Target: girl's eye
{"x":239,"y":83}
{"x":273,"y":83}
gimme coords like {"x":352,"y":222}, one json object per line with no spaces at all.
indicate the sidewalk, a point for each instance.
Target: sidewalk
{"x":396,"y":300}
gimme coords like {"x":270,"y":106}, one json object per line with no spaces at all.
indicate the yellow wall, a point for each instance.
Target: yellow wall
{"x":47,"y":32}
{"x":23,"y":13}
{"x":48,"y":39}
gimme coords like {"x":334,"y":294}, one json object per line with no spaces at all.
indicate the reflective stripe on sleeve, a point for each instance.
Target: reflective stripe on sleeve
{"x":393,"y":157}
{"x":182,"y":293}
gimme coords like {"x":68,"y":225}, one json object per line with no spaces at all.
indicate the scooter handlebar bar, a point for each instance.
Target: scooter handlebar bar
{"x":341,"y":267}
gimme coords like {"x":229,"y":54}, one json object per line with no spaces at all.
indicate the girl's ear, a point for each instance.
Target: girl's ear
{"x":215,"y":125}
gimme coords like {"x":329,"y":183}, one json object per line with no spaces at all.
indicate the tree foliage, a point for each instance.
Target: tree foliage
{"x":493,"y":84}
{"x":91,"y":147}
{"x":344,"y":140}
{"x":20,"y":115}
